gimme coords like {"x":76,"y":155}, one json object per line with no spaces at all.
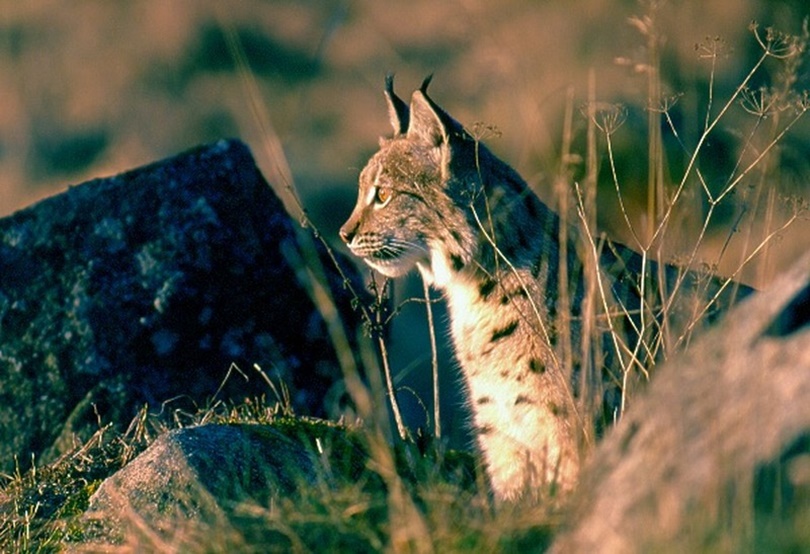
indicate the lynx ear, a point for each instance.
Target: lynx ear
{"x":397,"y":108}
{"x":430,"y":123}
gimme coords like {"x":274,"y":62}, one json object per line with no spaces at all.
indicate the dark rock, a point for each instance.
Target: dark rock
{"x":145,"y":288}
{"x":715,"y":456}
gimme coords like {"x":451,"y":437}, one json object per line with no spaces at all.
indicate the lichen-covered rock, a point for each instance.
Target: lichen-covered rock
{"x":202,"y":477}
{"x":145,"y":288}
{"x":198,"y":468}
{"x":196,"y":472}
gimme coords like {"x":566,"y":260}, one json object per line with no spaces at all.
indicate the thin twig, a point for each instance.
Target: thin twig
{"x":389,"y":383}
{"x":434,"y":362}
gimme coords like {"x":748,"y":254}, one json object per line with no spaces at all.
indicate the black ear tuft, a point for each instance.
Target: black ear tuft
{"x":426,"y":84}
{"x":398,"y":111}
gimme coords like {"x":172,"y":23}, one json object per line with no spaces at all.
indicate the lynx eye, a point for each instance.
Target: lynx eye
{"x":383,"y":196}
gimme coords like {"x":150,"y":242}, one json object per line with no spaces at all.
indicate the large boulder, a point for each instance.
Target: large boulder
{"x":145,"y":288}
{"x":715,"y":457}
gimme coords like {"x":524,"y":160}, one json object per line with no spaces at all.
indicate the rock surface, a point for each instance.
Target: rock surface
{"x":200,"y":475}
{"x":145,"y":288}
{"x":716,"y":455}
{"x":193,"y":471}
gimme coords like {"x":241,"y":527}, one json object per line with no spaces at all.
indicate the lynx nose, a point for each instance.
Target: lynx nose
{"x":348,"y":231}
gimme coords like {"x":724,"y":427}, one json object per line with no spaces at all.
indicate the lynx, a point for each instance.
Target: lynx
{"x":435,"y":198}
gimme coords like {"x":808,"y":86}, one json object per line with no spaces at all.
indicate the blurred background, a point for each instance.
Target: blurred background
{"x":93,"y":88}
{"x":90,"y":89}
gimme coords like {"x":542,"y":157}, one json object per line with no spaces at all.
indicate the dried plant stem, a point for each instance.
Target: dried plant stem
{"x":434,"y":362}
{"x":592,"y":160}
{"x":310,"y":274}
{"x":562,"y":194}
{"x":693,"y":158}
{"x":586,"y":209}
{"x":731,"y":279}
{"x":279,"y":171}
{"x":655,"y":154}
{"x":309,"y":268}
{"x":389,"y":385}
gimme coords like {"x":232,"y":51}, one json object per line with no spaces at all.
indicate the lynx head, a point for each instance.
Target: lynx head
{"x":413,"y":206}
